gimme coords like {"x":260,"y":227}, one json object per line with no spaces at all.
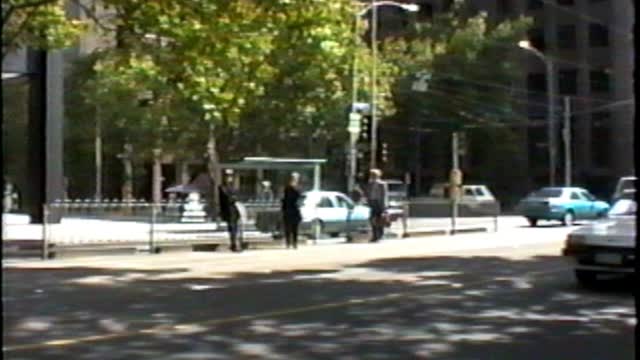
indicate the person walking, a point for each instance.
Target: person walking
{"x":229,"y":209}
{"x":377,"y":200}
{"x":291,"y":216}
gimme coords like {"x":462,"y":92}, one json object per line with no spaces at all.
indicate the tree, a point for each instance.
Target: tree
{"x":467,"y":63}
{"x":39,"y":24}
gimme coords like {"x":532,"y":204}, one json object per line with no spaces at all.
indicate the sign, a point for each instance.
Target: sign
{"x":354,"y":123}
{"x":455,"y":177}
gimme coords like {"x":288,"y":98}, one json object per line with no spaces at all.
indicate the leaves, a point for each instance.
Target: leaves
{"x":39,"y":24}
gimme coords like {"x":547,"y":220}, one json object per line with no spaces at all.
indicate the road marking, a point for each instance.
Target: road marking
{"x":159,"y":329}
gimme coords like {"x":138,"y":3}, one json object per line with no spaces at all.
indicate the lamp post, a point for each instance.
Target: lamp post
{"x":373,"y":6}
{"x":525,"y":44}
{"x":354,"y":130}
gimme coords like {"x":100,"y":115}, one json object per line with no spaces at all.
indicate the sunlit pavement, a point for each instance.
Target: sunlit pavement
{"x":506,"y":295}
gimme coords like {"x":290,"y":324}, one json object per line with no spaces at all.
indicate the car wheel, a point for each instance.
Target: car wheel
{"x":601,"y":215}
{"x":334,"y":234}
{"x":568,"y":218}
{"x":316,"y":229}
{"x":533,"y":222}
{"x":586,"y":278}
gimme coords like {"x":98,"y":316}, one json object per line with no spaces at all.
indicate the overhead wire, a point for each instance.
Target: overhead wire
{"x":625,"y":33}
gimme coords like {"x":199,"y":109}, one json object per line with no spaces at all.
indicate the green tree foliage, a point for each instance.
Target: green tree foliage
{"x":465,"y":55}
{"x":37,"y":23}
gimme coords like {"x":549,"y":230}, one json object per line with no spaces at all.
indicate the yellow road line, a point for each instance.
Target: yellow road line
{"x":241,"y":318}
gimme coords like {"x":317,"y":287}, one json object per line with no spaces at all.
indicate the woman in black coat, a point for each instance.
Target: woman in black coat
{"x":291,"y":216}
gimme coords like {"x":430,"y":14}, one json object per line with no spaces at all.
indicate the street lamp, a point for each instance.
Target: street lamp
{"x":525,"y":44}
{"x":354,"y":116}
{"x":373,"y":6}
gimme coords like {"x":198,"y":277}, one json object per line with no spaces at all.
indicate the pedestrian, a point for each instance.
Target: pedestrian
{"x":377,"y":200}
{"x":291,"y":216}
{"x":266,"y":193}
{"x":229,"y":209}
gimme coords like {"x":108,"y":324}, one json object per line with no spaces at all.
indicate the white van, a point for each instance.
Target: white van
{"x":625,"y":184}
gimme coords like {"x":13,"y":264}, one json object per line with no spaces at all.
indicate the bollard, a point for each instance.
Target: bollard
{"x":45,"y":238}
{"x":152,"y":229}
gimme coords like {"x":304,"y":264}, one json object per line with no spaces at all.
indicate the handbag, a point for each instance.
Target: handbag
{"x":385,"y":219}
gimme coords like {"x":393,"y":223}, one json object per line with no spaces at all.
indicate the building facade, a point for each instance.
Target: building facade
{"x":590,"y":43}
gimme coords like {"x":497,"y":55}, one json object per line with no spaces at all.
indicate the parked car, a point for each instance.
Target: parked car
{"x":564,"y":204}
{"x":605,"y":246}
{"x":624,"y":183}
{"x":470,"y":193}
{"x":330,"y":212}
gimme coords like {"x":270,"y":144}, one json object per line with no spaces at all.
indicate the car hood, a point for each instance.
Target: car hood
{"x":611,"y":231}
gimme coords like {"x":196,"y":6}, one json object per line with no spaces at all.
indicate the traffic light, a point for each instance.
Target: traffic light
{"x":365,"y":129}
{"x":384,"y":153}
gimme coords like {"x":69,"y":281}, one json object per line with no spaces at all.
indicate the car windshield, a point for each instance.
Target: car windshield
{"x":547,"y":193}
{"x":623,"y":207}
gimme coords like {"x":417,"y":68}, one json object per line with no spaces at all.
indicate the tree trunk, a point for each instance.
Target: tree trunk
{"x":127,"y":186}
{"x":213,"y":170}
{"x":156,"y":178}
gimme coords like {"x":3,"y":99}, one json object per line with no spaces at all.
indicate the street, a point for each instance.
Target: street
{"x":505,"y":295}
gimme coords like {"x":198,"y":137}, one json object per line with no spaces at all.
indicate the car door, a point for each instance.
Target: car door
{"x":580,"y":205}
{"x":325,"y":211}
{"x":343,"y":211}
{"x":593,"y":209}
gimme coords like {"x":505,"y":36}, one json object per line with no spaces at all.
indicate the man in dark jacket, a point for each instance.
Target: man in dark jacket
{"x":377,"y":200}
{"x":229,"y":211}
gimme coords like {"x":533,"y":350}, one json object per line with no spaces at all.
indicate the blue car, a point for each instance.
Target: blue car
{"x":564,"y":204}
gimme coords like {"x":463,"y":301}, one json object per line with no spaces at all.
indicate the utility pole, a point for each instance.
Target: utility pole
{"x":374,"y":92}
{"x":455,"y":180}
{"x":98,"y":151}
{"x":566,"y":135}
{"x":551,"y":121}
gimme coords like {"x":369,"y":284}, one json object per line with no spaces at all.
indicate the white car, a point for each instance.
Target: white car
{"x":470,"y":193}
{"x":606,"y":246}
{"x":330,"y":212}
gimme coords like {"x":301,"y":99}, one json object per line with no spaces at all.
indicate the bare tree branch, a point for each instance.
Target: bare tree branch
{"x":93,"y":16}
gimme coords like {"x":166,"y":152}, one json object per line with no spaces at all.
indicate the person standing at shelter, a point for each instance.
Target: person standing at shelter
{"x":377,"y":200}
{"x":291,"y":216}
{"x":229,"y":209}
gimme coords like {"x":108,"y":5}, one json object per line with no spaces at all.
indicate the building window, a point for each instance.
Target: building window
{"x":600,"y":139}
{"x":568,"y":82}
{"x":567,"y":36}
{"x":599,"y":81}
{"x":534,"y":4}
{"x":536,"y":38}
{"x":565,"y":2}
{"x":598,"y":35}
{"x":536,"y":82}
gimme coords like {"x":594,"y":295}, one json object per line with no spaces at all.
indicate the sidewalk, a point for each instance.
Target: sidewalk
{"x":83,"y":235}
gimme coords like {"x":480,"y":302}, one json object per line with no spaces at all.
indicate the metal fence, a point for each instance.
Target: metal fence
{"x":136,"y":224}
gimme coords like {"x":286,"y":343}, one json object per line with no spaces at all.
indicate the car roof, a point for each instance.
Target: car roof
{"x":322,"y":192}
{"x":561,"y":188}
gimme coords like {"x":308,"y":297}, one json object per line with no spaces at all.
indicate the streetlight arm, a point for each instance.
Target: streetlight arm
{"x":407,"y":7}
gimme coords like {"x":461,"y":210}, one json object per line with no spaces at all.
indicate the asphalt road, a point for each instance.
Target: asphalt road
{"x":507,"y":295}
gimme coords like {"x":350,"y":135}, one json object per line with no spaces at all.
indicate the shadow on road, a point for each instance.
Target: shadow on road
{"x":447,"y":307}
